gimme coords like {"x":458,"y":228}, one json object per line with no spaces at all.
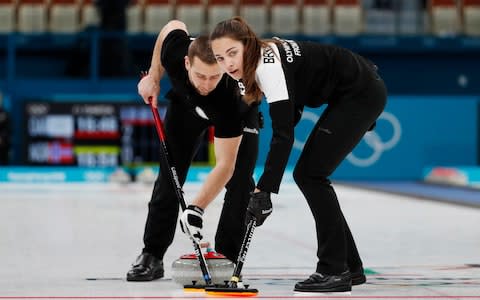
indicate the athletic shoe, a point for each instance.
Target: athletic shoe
{"x":321,"y":283}
{"x":146,"y":268}
{"x":358,"y":277}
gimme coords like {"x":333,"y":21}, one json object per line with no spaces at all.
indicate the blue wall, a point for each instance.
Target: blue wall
{"x":435,"y":130}
{"x":412,"y":133}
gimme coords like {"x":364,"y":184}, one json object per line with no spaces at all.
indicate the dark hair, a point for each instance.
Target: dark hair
{"x":200,"y":47}
{"x":237,"y":29}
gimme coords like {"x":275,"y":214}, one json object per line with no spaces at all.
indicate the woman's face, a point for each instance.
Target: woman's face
{"x":229,"y":55}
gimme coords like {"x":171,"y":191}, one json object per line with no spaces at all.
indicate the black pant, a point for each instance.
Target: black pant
{"x":337,"y":132}
{"x":184,"y":131}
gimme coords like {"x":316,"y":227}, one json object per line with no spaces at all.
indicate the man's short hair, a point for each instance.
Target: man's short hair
{"x":200,"y":47}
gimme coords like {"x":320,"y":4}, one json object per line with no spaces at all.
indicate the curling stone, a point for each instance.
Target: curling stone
{"x":186,"y":269}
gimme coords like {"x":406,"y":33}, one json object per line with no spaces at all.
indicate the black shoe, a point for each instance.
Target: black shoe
{"x":320,"y":283}
{"x":358,"y":277}
{"x":146,"y":268}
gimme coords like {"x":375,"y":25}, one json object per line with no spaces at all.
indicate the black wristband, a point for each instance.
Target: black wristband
{"x":195,"y":208}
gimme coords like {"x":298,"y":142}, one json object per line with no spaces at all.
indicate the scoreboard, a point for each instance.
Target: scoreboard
{"x":93,"y":134}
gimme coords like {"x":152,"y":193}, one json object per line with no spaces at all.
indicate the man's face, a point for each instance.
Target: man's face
{"x":204,"y":77}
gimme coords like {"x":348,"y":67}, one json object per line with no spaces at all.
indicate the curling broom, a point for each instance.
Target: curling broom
{"x":179,"y":193}
{"x":231,"y":288}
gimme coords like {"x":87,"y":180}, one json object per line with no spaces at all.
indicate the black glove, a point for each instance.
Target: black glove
{"x":259,"y":207}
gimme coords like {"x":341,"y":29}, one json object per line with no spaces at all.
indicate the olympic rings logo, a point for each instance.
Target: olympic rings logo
{"x":372,"y":139}
{"x":375,"y":142}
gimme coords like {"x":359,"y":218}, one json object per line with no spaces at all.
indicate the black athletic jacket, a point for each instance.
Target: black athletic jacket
{"x":296,"y":74}
{"x":222,"y":108}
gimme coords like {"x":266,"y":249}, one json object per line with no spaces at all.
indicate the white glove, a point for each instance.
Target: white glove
{"x":191,"y":223}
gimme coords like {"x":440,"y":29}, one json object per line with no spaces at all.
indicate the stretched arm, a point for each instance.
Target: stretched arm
{"x":149,"y":85}
{"x":260,"y":205}
{"x":282,"y":114}
{"x":226,"y":150}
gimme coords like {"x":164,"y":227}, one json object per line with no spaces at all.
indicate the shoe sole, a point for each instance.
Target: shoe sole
{"x":145,"y":278}
{"x":359,"y":280}
{"x":336,"y":289}
{"x":310,"y":294}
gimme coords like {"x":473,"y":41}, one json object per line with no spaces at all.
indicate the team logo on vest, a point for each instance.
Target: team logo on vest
{"x":241,"y":87}
{"x":201,"y":113}
{"x":268,"y":56}
{"x":291,"y":48}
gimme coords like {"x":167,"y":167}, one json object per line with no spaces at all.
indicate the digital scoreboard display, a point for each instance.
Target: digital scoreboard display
{"x":90,"y":134}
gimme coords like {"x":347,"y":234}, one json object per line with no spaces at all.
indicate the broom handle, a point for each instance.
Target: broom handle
{"x":178,"y":188}
{"x":243,"y":250}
